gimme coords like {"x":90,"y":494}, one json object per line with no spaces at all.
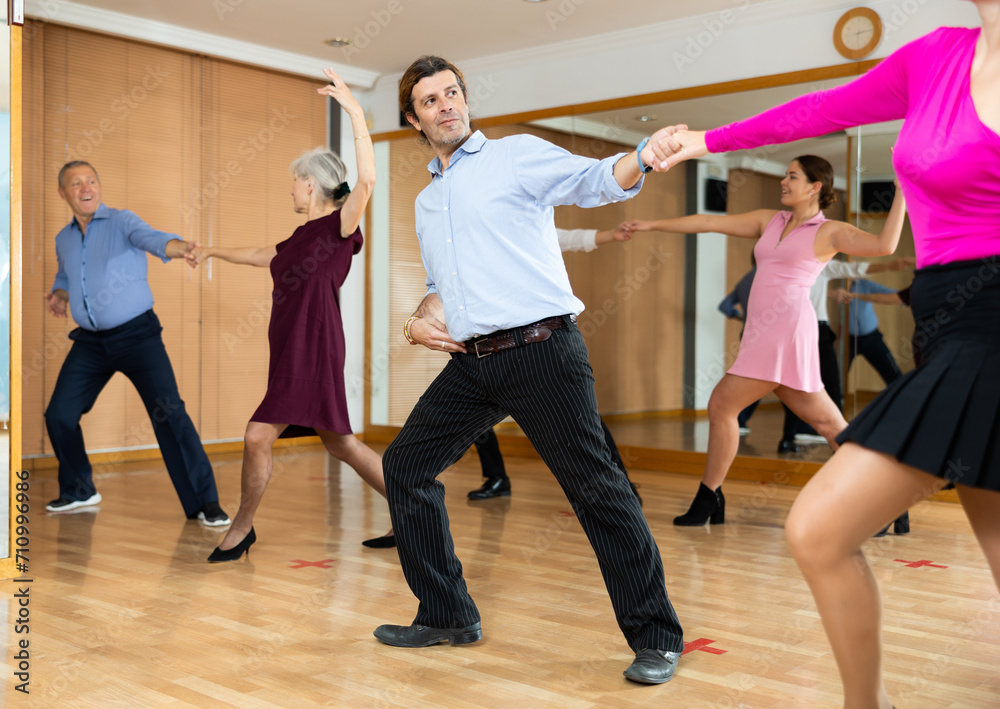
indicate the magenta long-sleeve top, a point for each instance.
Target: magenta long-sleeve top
{"x":946,"y":158}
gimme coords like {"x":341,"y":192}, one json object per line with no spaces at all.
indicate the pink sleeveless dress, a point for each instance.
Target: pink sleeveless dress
{"x":781,"y":339}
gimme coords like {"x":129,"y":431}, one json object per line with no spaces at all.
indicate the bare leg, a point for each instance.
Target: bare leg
{"x":816,"y":409}
{"x":982,"y":507}
{"x":845,"y":503}
{"x":730,"y":396}
{"x":258,"y":463}
{"x":366,"y":462}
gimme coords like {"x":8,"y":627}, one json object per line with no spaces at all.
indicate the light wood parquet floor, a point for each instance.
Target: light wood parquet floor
{"x":126,"y":613}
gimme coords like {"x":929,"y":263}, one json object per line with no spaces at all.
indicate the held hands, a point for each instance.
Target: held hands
{"x":672,"y":145}
{"x":432,"y":334}
{"x":633,"y":226}
{"x":621,"y":232}
{"x":197,"y":254}
{"x":842,"y":296}
{"x":56,"y":304}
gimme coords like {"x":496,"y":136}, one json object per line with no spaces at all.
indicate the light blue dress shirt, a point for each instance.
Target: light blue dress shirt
{"x":486,"y":230}
{"x":105,"y":271}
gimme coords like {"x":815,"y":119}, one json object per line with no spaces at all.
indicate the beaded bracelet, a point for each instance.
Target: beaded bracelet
{"x":406,"y":329}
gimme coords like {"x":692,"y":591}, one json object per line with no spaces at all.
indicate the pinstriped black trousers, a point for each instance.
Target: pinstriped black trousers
{"x":548,"y":389}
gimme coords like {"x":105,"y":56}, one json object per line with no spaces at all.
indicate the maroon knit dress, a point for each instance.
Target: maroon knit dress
{"x":305,"y":379}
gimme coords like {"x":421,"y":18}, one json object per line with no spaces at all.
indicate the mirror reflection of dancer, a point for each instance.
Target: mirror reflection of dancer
{"x":305,"y":382}
{"x":940,"y":421}
{"x":779,"y":349}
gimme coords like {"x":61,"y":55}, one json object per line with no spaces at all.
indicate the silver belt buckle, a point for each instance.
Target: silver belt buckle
{"x":476,"y":345}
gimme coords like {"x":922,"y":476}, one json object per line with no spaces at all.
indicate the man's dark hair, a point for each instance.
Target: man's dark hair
{"x":427,"y":65}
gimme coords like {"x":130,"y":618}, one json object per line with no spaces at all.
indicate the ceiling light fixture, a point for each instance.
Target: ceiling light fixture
{"x":338,"y":42}
{"x":646,"y":118}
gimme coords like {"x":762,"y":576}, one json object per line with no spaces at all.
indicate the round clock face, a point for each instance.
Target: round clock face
{"x":857,"y":33}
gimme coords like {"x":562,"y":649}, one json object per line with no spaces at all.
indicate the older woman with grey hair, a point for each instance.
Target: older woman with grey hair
{"x":305,"y":383}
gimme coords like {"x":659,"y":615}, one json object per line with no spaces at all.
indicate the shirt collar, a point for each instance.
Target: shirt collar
{"x":819,"y":217}
{"x":473,"y":144}
{"x":101,"y":213}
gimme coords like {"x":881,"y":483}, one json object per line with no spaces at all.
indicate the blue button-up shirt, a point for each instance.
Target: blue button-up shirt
{"x":863,"y":320}
{"x":486,"y":230}
{"x":105,"y":270}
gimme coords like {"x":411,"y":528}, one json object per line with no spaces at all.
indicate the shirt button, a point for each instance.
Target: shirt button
{"x":461,"y":307}
{"x":454,"y":273}
{"x":449,"y":241}
{"x":446,"y":209}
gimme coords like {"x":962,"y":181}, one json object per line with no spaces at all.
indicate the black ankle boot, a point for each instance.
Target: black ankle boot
{"x":708,"y":506}
{"x":902,"y":524}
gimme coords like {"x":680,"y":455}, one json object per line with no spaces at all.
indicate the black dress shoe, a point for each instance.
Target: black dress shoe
{"x":386,"y":542}
{"x":902,"y":524}
{"x":492,"y":487}
{"x":786,"y":446}
{"x":652,"y":666}
{"x":422,"y":636}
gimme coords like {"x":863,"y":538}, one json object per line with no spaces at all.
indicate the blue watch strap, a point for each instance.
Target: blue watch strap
{"x":638,"y":155}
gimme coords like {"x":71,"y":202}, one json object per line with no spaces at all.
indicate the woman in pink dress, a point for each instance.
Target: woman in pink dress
{"x":779,"y":349}
{"x":305,"y":383}
{"x":941,"y":421}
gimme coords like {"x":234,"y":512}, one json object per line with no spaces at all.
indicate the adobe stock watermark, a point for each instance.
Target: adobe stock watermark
{"x":715,"y":26}
{"x":120,"y":107}
{"x":562,"y":12}
{"x":248,"y":149}
{"x":224,"y":7}
{"x":363,"y":35}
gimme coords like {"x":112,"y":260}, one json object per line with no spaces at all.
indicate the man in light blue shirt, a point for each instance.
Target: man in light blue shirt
{"x":102,"y":278}
{"x":495,"y":275}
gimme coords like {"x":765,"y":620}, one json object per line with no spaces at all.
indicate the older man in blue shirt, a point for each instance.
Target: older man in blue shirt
{"x":495,"y":275}
{"x":102,"y":278}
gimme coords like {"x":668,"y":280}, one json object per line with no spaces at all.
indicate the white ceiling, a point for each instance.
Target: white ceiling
{"x":389,"y":34}
{"x":394,"y":32}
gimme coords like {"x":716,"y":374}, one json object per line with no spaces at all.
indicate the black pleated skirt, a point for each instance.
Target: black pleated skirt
{"x":944,"y":416}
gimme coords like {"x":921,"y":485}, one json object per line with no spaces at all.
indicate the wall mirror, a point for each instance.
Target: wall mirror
{"x":642,"y":325}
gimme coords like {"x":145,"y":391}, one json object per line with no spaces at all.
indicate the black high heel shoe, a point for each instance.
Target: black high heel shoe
{"x":236,"y":552}
{"x":708,"y":506}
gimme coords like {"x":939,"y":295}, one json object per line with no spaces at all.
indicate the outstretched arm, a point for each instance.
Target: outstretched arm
{"x":249,"y":256}
{"x":749,"y":225}
{"x":840,"y":237}
{"x":844,"y":297}
{"x":354,"y":207}
{"x":427,"y":327}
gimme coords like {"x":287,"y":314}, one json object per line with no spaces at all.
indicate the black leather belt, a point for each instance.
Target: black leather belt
{"x":517,"y":336}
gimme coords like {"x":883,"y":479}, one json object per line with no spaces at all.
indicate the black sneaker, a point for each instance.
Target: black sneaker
{"x":65,"y":505}
{"x":211,"y":515}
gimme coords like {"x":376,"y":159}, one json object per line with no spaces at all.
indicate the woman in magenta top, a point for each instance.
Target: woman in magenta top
{"x":941,"y":421}
{"x":305,"y":380}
